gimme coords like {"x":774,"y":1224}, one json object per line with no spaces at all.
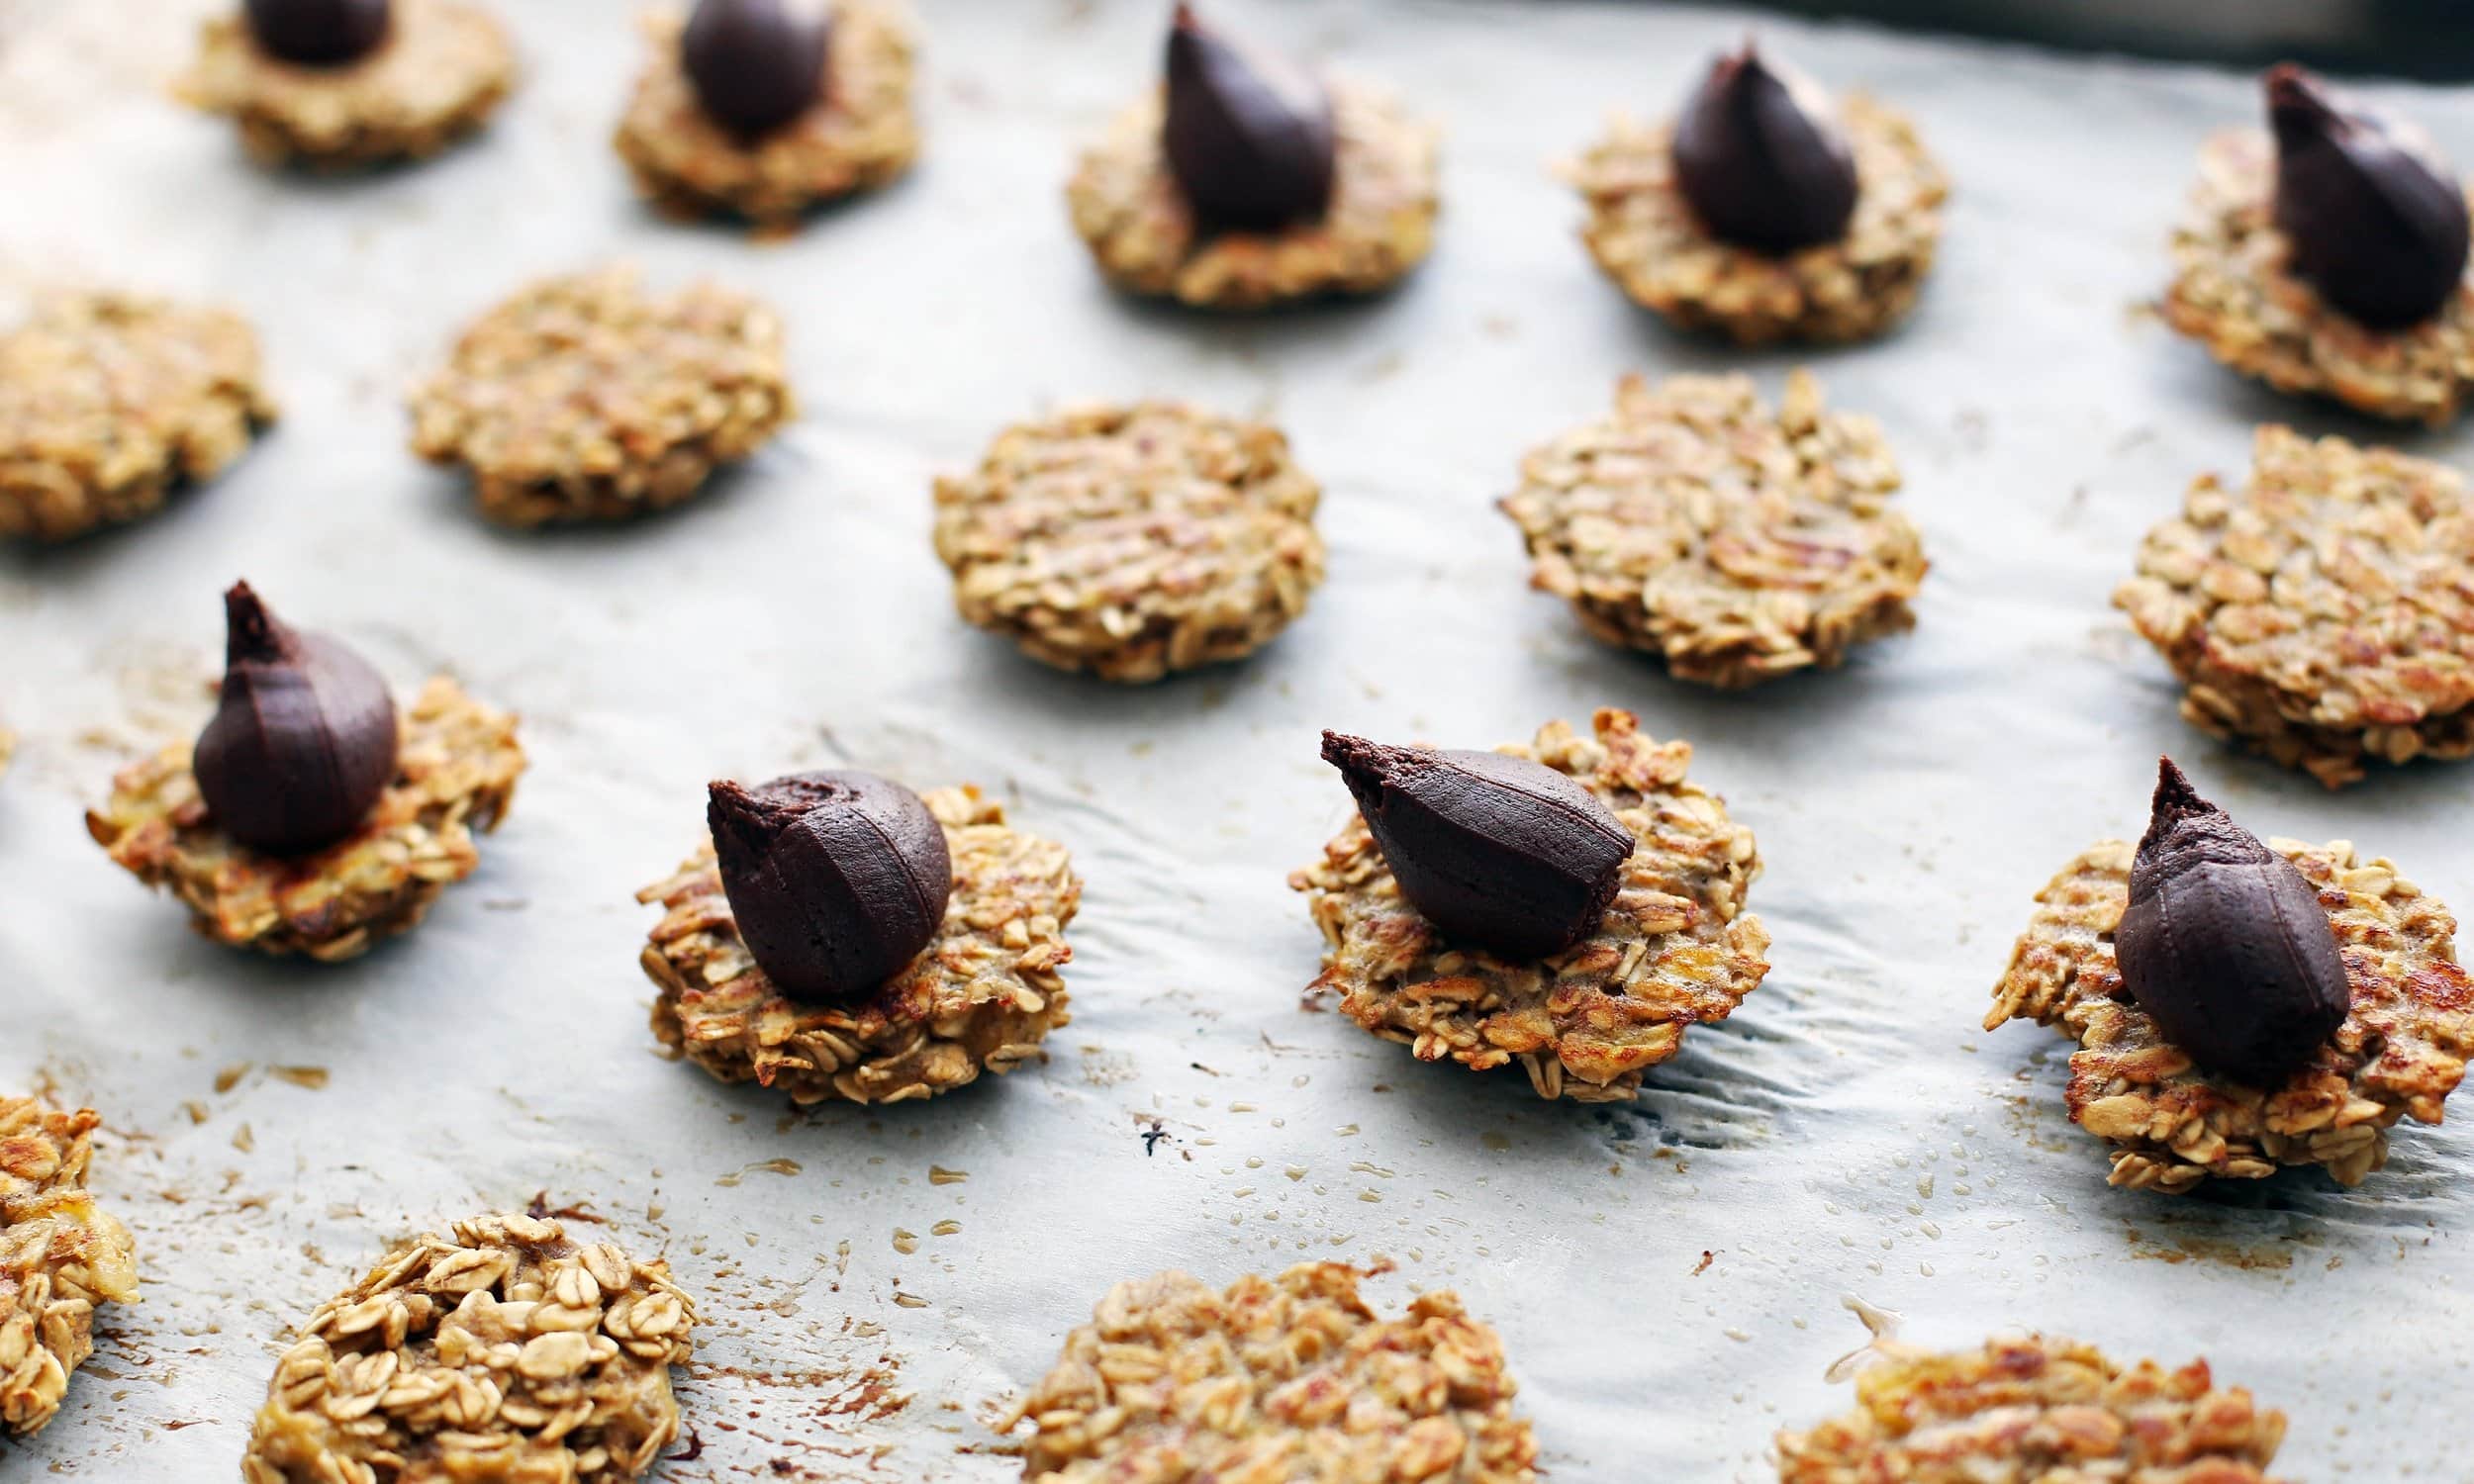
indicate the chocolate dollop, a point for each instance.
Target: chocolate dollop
{"x":318,"y":33}
{"x":1760,"y":155}
{"x":1248,"y":137}
{"x":2375,"y":219}
{"x":756,"y":64}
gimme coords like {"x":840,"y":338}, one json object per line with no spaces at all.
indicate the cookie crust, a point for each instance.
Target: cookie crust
{"x":61,"y":1256}
{"x":981,"y":998}
{"x":108,"y":402}
{"x":1676,"y":949}
{"x":1738,"y":544}
{"x":443,"y":71}
{"x":1291,"y":1377}
{"x":2035,"y":1409}
{"x":1132,"y":541}
{"x":2320,"y":613}
{"x":861,"y":135}
{"x":455,"y":774}
{"x":1381,"y":225}
{"x":2231,"y":293}
{"x":2400,"y":1052}
{"x":1646,"y":238}
{"x":505,"y":1350}
{"x":589,"y":398}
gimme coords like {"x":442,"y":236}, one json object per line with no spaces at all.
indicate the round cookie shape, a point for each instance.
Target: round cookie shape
{"x":860,"y":134}
{"x":2034,"y":1407}
{"x":456,"y":772}
{"x":2234,"y":293}
{"x":2401,"y":1051}
{"x":441,"y":70}
{"x":1736,"y":544}
{"x":1132,"y":541}
{"x":2319,"y":614}
{"x":60,"y":1257}
{"x":503,"y":1349}
{"x":1676,"y":947}
{"x":109,"y":401}
{"x":589,"y":398}
{"x":1287,"y":1377}
{"x":1644,"y":234}
{"x":1146,"y":240}
{"x":982,"y":996}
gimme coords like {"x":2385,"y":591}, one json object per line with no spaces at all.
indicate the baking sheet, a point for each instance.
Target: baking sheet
{"x":1669,"y":1277}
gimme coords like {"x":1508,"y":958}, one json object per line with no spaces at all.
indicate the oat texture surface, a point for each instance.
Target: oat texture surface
{"x":1646,"y":237}
{"x":1288,"y":1378}
{"x":61,"y":1256}
{"x":1676,"y":949}
{"x":1737,"y":543}
{"x":108,"y":402}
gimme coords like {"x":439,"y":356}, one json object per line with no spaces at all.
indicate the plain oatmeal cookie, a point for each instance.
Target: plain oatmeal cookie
{"x":2035,"y":1409}
{"x":587,"y":398}
{"x":1380,"y":224}
{"x":1645,"y":235}
{"x":981,"y":998}
{"x":2233,"y":293}
{"x":2400,"y":1052}
{"x":1132,"y":541}
{"x":1739,"y":544}
{"x":2320,"y":614}
{"x":61,"y":1256}
{"x":455,"y":771}
{"x":1676,"y":950}
{"x":504,"y":1353}
{"x":1287,"y":1378}
{"x":859,"y":134}
{"x":108,"y":402}
{"x":443,"y":71}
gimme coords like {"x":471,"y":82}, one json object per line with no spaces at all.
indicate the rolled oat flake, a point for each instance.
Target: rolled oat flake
{"x":2224,"y":943}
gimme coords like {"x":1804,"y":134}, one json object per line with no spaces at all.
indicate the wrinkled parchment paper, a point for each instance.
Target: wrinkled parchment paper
{"x":1669,"y":1277}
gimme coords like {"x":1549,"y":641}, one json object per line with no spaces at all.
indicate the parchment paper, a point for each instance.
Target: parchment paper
{"x":1668,"y":1276}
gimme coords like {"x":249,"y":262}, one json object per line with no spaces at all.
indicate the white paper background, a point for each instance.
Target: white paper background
{"x":1851,"y":1132}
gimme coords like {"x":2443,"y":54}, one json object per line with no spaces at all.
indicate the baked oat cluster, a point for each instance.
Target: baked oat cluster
{"x":2401,"y":1051}
{"x":1132,"y":541}
{"x":2320,"y":612}
{"x":2233,"y":293}
{"x":61,"y":1256}
{"x":589,"y":398}
{"x":444,"y":68}
{"x":1286,"y":1379}
{"x":860,"y":134}
{"x":982,"y":998}
{"x":1737,"y":544}
{"x":1380,"y":224}
{"x":108,"y":402}
{"x":1676,"y":949}
{"x":504,"y":1352}
{"x":2036,"y":1410}
{"x":1644,"y":234}
{"x":456,"y":772}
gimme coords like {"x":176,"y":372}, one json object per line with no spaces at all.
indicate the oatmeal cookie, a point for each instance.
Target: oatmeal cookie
{"x":1128,"y":208}
{"x":61,"y":1256}
{"x":2035,"y":1409}
{"x":443,"y":71}
{"x":1293,"y":1377}
{"x":108,"y":400}
{"x":586,"y":398}
{"x":2320,"y":614}
{"x":504,"y":1352}
{"x":1132,"y":541}
{"x":984,"y":994}
{"x":2233,"y":293}
{"x":2401,"y":1052}
{"x":1740,"y":545}
{"x":860,"y":134}
{"x":1674,"y":950}
{"x":1645,"y":235}
{"x":455,"y":771}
